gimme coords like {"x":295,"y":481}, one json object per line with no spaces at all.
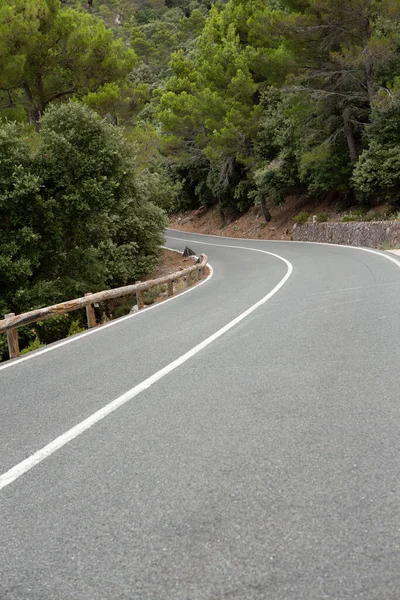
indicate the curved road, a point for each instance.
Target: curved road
{"x":252,"y":450}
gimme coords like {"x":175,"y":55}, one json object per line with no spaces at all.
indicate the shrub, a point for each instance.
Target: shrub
{"x":361,"y":213}
{"x":33,"y":345}
{"x":75,"y":328}
{"x":56,"y":328}
{"x":377,"y":173}
{"x":322,"y":217}
{"x":302,"y":217}
{"x":3,"y":347}
{"x":349,"y":218}
{"x":73,"y":217}
{"x":150,"y":296}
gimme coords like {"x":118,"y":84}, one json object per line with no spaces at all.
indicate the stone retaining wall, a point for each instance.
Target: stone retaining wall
{"x":372,"y":234}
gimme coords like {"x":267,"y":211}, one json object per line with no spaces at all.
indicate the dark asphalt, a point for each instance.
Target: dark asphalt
{"x":265,"y":467}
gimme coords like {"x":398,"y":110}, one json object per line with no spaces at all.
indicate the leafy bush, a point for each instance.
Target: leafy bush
{"x":322,"y":217}
{"x":377,"y":174}
{"x":121,"y":307}
{"x":33,"y":345}
{"x":324,"y":167}
{"x":73,"y":217}
{"x":302,"y":217}
{"x":349,"y":218}
{"x":361,"y":213}
{"x":3,"y":346}
{"x":150,"y":296}
{"x":274,"y":181}
{"x":55,"y":328}
{"x":75,"y":328}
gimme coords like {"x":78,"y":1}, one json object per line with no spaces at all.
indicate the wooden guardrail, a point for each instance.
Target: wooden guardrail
{"x":11,"y":322}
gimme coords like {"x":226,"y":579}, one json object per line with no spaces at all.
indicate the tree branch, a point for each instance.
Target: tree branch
{"x":60,"y":95}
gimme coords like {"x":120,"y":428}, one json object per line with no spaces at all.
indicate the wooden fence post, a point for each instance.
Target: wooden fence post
{"x":89,"y":303}
{"x":12,"y":339}
{"x":139,"y":298}
{"x":90,"y":314}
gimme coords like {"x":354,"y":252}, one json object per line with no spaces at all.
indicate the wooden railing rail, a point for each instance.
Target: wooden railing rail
{"x":11,"y":322}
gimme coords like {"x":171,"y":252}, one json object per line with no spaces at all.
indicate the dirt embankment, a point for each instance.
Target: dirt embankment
{"x":170,"y":262}
{"x":253,"y":225}
{"x":250,"y":225}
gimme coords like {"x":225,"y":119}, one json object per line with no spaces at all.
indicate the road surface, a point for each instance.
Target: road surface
{"x":252,"y":450}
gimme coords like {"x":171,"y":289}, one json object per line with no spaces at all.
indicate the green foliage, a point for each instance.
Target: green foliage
{"x":3,"y":346}
{"x":210,"y":106}
{"x":154,"y":179}
{"x":301,"y":217}
{"x":120,"y":309}
{"x":350,"y":218}
{"x":49,"y":52}
{"x":266,"y":125}
{"x":377,"y":173}
{"x":363,"y":215}
{"x":33,"y":345}
{"x":72,"y":217}
{"x":75,"y":328}
{"x":55,"y":328}
{"x":150,"y":296}
{"x":322,"y":217}
{"x":19,"y":193}
{"x":242,"y":102}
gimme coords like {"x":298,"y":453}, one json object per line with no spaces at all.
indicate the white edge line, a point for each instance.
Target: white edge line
{"x":36,"y":458}
{"x":75,"y":338}
{"x":221,"y":237}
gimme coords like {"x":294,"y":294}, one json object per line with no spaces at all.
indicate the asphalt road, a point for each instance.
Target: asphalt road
{"x":261,"y":465}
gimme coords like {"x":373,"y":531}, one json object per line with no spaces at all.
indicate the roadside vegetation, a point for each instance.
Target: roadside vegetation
{"x":116,"y":112}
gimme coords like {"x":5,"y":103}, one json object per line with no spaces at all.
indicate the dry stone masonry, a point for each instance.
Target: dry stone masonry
{"x":372,"y":234}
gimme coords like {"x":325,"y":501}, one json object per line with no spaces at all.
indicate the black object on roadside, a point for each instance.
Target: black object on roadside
{"x":188,"y":252}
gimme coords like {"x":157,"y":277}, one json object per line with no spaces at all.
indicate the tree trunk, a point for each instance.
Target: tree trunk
{"x":369,"y":74}
{"x":369,"y":69}
{"x":34,"y":117}
{"x":264,"y":208}
{"x":349,"y":132}
{"x":33,"y":111}
{"x":40,"y":91}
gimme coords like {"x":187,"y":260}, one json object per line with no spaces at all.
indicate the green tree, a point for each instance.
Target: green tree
{"x":72,"y":217}
{"x":344,"y":52}
{"x":211,"y":104}
{"x":48,"y":52}
{"x":377,"y":173}
{"x":19,"y":195}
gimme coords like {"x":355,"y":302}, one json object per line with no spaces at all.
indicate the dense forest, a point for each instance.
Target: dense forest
{"x":115,"y":112}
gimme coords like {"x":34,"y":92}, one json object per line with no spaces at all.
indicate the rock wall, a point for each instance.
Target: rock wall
{"x":372,"y":234}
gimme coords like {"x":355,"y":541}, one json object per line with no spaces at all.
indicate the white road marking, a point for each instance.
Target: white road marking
{"x":75,"y":338}
{"x":18,"y":361}
{"x":221,"y":237}
{"x":36,"y":458}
